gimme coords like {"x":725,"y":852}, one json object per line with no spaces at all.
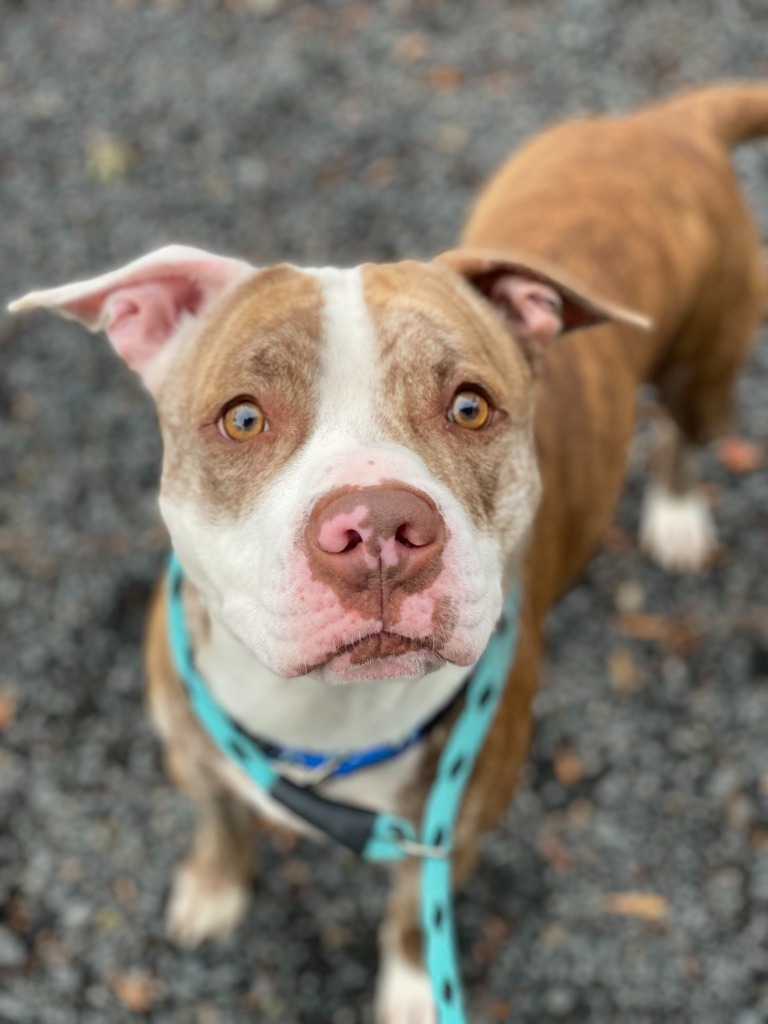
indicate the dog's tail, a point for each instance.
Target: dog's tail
{"x":733,"y":112}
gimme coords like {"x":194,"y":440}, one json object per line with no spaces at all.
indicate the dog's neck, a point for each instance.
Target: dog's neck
{"x":306,"y":712}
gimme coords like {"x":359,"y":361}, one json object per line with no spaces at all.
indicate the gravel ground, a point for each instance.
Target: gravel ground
{"x":333,"y":132}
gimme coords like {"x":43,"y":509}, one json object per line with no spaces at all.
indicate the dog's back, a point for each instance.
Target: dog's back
{"x":647,"y":202}
{"x":645,"y":208}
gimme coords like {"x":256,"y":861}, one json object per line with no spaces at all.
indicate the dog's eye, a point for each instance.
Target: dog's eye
{"x":469,"y":409}
{"x":242,"y":420}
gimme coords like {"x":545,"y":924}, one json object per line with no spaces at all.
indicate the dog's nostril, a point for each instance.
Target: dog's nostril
{"x":416,"y":534}
{"x":401,"y":536}
{"x":353,"y":539}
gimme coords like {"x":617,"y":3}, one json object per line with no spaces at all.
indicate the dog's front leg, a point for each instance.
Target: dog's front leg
{"x":404,"y":990}
{"x":212,"y":886}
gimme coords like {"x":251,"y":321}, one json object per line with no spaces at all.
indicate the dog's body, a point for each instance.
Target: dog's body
{"x":346,"y":553}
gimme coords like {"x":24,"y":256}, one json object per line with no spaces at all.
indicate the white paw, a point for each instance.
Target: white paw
{"x":677,"y":530}
{"x":204,"y":905}
{"x":404,"y":994}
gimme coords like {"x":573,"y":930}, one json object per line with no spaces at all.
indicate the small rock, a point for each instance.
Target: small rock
{"x":560,"y":1001}
{"x":13,"y":1009}
{"x":13,"y":952}
{"x":629,"y":597}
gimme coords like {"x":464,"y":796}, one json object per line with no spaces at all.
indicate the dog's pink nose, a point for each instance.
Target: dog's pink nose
{"x":390,"y":534}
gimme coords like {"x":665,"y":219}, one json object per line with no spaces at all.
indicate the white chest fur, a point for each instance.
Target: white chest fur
{"x":313,"y":715}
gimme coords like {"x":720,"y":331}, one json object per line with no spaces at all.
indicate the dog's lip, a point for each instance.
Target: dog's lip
{"x":379,"y":646}
{"x":384,"y":644}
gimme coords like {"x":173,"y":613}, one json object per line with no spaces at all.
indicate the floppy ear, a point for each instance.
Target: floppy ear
{"x":143,"y":305}
{"x":537,"y":302}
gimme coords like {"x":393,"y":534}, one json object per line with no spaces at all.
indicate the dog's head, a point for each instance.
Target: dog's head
{"x":349,"y":472}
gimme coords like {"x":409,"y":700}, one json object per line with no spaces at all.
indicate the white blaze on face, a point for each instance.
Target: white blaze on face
{"x":348,"y":387}
{"x":254,"y":572}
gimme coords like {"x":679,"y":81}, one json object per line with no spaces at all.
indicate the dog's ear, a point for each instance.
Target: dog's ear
{"x":536,"y":301}
{"x":143,"y":305}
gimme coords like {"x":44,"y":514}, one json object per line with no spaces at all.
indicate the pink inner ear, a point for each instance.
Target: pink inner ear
{"x":534,"y":308}
{"x":140,"y":318}
{"x":142,"y":305}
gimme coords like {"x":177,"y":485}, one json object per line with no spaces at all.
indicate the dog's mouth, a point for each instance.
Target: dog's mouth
{"x":381,"y":645}
{"x":381,"y":655}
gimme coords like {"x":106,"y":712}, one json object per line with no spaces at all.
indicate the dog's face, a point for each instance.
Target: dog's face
{"x":349,"y":471}
{"x":349,"y":467}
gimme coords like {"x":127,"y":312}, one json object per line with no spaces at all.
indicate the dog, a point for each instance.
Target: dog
{"x":359,"y":464}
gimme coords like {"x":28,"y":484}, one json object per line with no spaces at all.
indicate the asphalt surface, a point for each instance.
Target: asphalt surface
{"x":629,"y":882}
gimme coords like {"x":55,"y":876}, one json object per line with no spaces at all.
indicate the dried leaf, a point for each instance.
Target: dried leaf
{"x":678,"y":634}
{"x":623,"y":671}
{"x":739,"y":455}
{"x":498,"y":1010}
{"x":644,"y":626}
{"x":451,"y":138}
{"x":555,"y":852}
{"x":580,"y":812}
{"x":207,"y":1013}
{"x":125,"y":889}
{"x":264,"y":7}
{"x":568,"y":768}
{"x":683,"y":637}
{"x":71,"y":870}
{"x":496,"y":929}
{"x":646,"y":906}
{"x":108,"y":159}
{"x":381,"y":172}
{"x":411,"y":47}
{"x":482,"y":952}
{"x":335,"y":937}
{"x":136,"y":990}
{"x":555,"y":935}
{"x":352,"y":17}
{"x":8,"y":704}
{"x":689,"y":967}
{"x":758,"y":839}
{"x":296,"y":871}
{"x":107,"y":919}
{"x":445,"y":78}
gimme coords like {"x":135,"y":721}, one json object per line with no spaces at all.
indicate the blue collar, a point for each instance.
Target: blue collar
{"x":324,"y":766}
{"x":374,"y":836}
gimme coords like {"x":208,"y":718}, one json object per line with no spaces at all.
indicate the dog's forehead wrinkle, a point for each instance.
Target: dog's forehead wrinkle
{"x":433,"y":332}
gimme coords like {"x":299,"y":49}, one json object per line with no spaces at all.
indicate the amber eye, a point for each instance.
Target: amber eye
{"x":242,"y":420}
{"x":469,"y":409}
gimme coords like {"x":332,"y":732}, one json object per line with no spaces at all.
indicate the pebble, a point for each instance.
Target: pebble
{"x":560,"y":1002}
{"x":13,"y":952}
{"x":13,"y":1008}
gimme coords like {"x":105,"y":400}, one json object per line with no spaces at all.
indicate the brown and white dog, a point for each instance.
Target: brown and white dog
{"x":358,"y":463}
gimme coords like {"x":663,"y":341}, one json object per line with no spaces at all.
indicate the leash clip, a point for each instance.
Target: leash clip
{"x":412,"y":848}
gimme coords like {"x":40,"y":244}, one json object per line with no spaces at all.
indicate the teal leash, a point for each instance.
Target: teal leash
{"x":443,"y":804}
{"x":375,"y":836}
